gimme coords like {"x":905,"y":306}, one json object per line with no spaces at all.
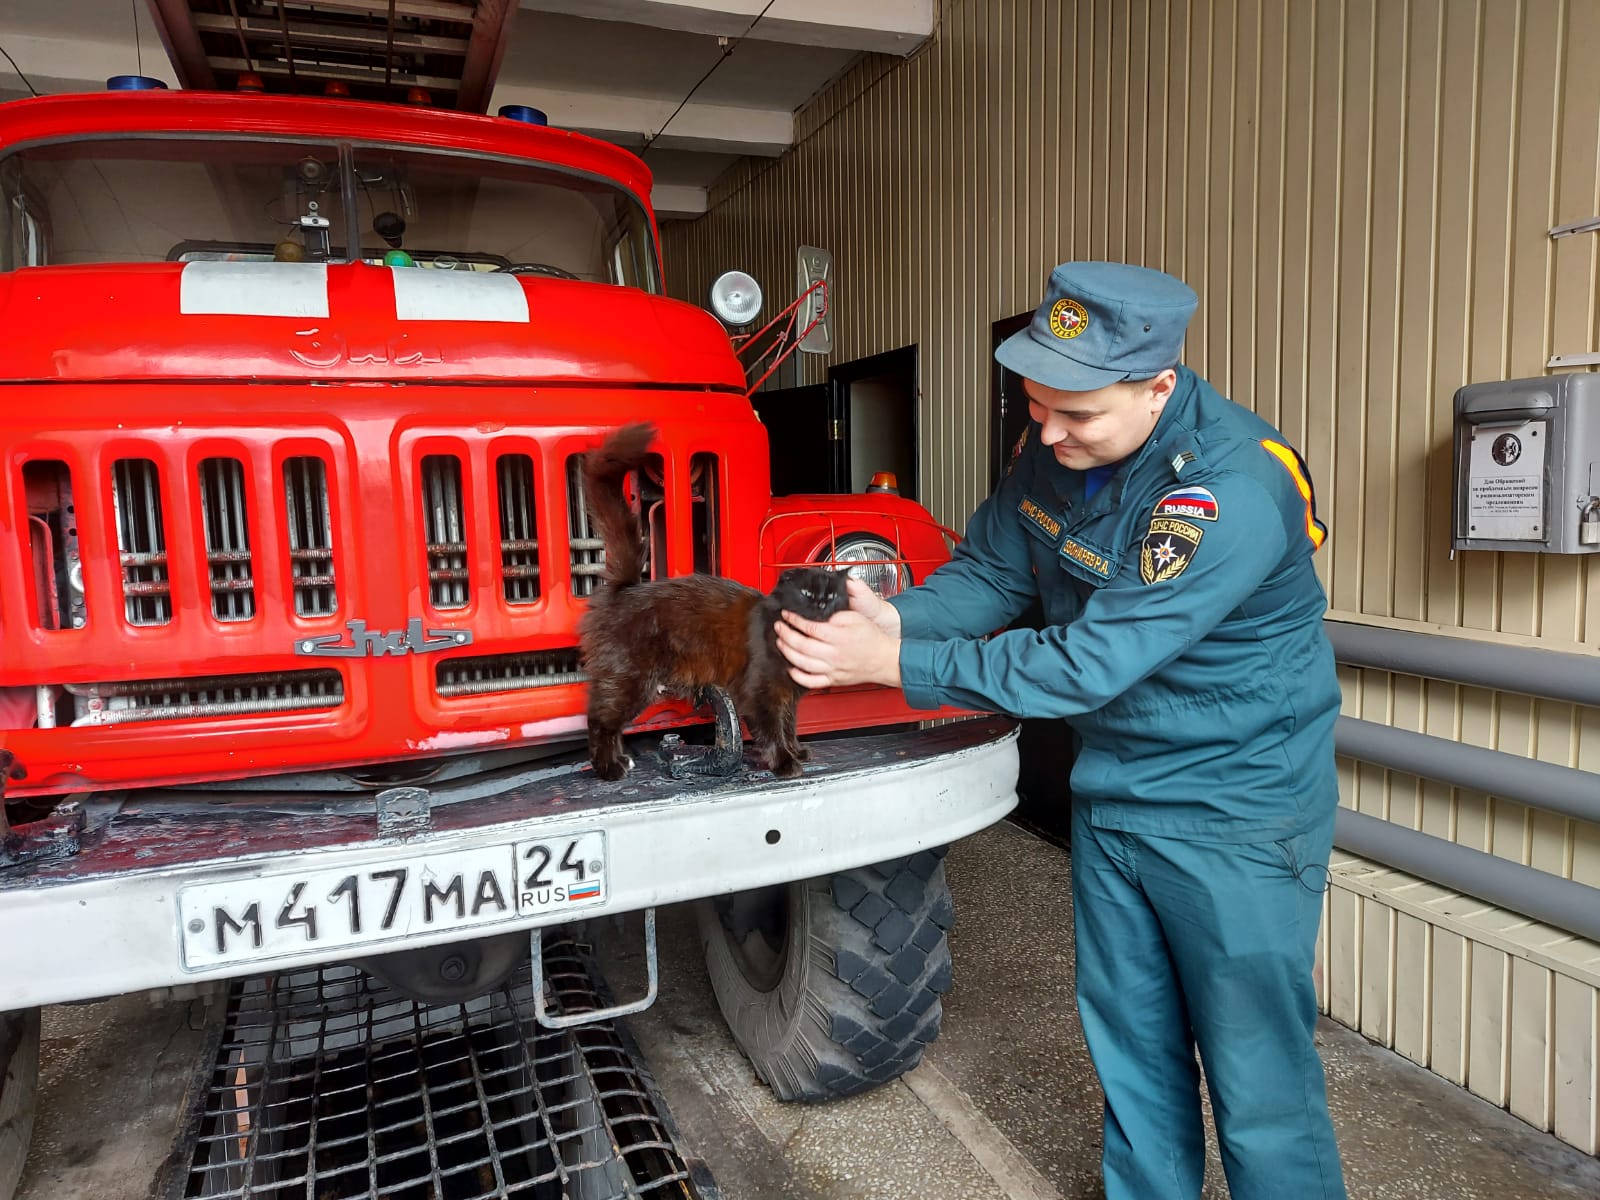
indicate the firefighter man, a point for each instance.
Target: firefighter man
{"x":1168,"y":534}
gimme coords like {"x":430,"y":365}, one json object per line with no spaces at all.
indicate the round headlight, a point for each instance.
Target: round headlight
{"x":871,"y":559}
{"x":735,"y":298}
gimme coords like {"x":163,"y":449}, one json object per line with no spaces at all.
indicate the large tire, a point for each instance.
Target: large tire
{"x":19,"y":1089}
{"x":831,"y":986}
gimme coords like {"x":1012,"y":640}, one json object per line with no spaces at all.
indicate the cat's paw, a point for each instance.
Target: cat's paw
{"x":612,"y":770}
{"x":803,"y":753}
{"x":786,"y":769}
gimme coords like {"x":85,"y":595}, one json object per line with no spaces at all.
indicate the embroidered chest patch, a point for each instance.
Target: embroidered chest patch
{"x":1168,"y":549}
{"x":1193,"y":503}
{"x":1090,"y":560}
{"x":1033,"y":511}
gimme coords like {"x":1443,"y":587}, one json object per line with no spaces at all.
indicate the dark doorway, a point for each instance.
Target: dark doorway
{"x":875,"y":400}
{"x":834,"y":437}
{"x":1046,"y":749}
{"x":1008,"y":406}
{"x":800,"y":427}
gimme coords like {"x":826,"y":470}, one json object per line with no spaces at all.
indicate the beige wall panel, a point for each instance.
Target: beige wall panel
{"x":1444,"y":588}
{"x":1532,"y":1014}
{"x":1451,"y":1009}
{"x":1475,"y":810}
{"x":1408,"y":711}
{"x":1586,"y":853}
{"x":1377,"y":971}
{"x":1529,"y":209}
{"x":1488,"y":1040}
{"x":1575,"y":300}
{"x":1553,"y":839}
{"x":1494,"y":72}
{"x":1412,"y":993}
{"x":1442,"y":719}
{"x":1577,"y":1064}
{"x":1344,"y":957}
{"x":1320,"y":970}
{"x":1421,"y":512}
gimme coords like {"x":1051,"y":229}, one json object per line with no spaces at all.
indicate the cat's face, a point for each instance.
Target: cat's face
{"x":812,"y":592}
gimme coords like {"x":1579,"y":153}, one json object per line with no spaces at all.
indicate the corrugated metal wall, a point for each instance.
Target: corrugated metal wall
{"x":1360,"y":191}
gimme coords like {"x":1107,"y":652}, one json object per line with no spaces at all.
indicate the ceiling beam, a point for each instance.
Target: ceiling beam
{"x":887,"y":26}
{"x":630,"y":120}
{"x":182,"y":40}
{"x":677,"y":200}
{"x":491,"y":30}
{"x":305,"y":34}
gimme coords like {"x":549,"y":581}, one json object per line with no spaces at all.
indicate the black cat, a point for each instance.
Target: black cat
{"x":642,"y":641}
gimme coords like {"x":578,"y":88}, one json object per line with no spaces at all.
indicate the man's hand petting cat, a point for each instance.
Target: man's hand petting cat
{"x":847,"y":648}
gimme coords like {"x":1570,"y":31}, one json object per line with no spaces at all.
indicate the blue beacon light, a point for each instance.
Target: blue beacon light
{"x":525,"y":113}
{"x":135,"y":83}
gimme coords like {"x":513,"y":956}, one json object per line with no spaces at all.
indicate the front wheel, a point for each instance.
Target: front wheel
{"x":832,"y":986}
{"x":19,"y":1090}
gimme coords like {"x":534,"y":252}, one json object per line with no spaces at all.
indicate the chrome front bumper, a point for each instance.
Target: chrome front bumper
{"x":104,"y":920}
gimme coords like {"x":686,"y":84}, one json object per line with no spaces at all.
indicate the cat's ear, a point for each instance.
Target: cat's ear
{"x":842,"y":572}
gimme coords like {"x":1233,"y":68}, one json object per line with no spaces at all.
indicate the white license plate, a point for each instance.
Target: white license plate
{"x":252,"y":920}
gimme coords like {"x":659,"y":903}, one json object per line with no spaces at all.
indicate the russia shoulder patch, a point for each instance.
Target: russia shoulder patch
{"x":1195,"y":503}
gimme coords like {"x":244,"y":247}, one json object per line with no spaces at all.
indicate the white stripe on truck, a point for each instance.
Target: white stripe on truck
{"x":255,"y":289}
{"x":427,"y":295}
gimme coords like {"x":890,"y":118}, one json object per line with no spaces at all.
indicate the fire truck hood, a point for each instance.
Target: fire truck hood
{"x":300,"y":321}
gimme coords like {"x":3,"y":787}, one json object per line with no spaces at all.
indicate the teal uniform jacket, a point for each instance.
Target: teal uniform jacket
{"x":1183,"y":631}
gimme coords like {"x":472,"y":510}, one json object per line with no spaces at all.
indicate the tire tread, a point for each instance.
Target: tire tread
{"x":19,"y":1089}
{"x":878,"y":961}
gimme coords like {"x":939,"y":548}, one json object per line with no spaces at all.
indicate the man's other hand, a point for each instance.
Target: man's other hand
{"x":859,"y":645}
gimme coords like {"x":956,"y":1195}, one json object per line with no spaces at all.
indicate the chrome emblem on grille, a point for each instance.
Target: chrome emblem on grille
{"x":413,"y":639}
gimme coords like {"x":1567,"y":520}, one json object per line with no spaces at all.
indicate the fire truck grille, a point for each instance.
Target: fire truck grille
{"x":519,"y":536}
{"x":257,"y":541}
{"x":328,"y":1084}
{"x":227,"y":530}
{"x":705,"y":497}
{"x":587,"y":552}
{"x":491,"y":673}
{"x":310,"y":529}
{"x":444,"y":528}
{"x":142,"y":540}
{"x":216,"y":696}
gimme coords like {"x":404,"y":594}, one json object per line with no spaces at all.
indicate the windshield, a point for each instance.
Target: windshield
{"x":179,"y":200}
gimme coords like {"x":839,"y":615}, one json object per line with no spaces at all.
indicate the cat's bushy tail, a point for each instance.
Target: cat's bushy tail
{"x":604,"y":469}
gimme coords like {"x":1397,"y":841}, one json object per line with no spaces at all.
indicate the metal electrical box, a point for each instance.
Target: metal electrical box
{"x":1527,"y":465}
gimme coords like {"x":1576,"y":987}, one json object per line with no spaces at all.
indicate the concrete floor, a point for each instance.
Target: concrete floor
{"x":1004,"y":1107}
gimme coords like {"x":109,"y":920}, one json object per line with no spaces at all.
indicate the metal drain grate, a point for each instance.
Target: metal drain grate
{"x":328,"y":1085}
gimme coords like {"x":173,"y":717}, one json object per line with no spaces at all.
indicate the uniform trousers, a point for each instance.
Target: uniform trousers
{"x":1186,"y":945}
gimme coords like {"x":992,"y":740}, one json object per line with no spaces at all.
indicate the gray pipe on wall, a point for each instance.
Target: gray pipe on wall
{"x":1555,"y":675}
{"x":1574,"y":907}
{"x":1547,"y":786}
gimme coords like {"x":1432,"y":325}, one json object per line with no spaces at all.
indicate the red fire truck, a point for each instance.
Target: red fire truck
{"x":292,"y":554}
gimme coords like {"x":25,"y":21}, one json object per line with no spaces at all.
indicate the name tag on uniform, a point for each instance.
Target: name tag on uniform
{"x":1091,"y":562}
{"x":1040,"y":519}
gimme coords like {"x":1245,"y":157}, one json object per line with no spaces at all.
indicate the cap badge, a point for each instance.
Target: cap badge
{"x":1068,"y":318}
